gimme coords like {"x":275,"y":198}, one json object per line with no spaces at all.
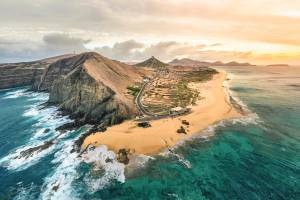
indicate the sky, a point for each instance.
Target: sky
{"x":256,"y":31}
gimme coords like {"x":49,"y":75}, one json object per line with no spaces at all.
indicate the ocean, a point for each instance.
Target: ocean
{"x":256,"y":157}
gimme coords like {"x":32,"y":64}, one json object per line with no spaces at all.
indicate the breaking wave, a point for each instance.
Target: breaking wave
{"x":47,"y":119}
{"x":103,"y":159}
{"x":58,"y":185}
{"x":15,"y":94}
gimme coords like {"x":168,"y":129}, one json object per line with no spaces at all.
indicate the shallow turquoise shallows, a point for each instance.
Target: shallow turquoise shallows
{"x":257,"y":157}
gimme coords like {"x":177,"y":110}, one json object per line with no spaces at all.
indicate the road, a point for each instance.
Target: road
{"x":148,"y":115}
{"x":138,"y":103}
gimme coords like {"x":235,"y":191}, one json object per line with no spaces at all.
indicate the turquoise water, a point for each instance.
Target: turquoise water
{"x":257,"y":157}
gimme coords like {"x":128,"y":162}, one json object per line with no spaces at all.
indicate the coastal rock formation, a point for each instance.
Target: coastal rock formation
{"x":24,"y":73}
{"x":91,"y":88}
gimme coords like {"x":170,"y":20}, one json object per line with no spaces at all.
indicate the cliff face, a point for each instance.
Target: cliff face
{"x":15,"y":75}
{"x":91,"y":88}
{"x":23,"y":74}
{"x":59,"y":68}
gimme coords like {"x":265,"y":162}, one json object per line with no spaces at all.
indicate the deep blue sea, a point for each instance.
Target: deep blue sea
{"x":257,"y":157}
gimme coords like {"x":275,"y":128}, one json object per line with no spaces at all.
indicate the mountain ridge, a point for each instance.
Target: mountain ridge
{"x":90,"y":87}
{"x":197,"y":63}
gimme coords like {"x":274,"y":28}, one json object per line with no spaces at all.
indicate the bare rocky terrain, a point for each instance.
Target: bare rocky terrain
{"x":24,"y":73}
{"x":91,"y":88}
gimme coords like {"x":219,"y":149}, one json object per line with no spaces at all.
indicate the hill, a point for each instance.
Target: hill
{"x":152,"y":63}
{"x":90,"y":87}
{"x":189,"y":62}
{"x":196,"y":63}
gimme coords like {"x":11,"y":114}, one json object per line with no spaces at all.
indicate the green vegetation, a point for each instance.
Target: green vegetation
{"x":199,"y":76}
{"x":183,"y":96}
{"x":159,"y":109}
{"x":134,"y":89}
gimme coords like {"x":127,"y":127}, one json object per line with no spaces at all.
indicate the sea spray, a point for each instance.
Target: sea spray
{"x":103,"y":159}
{"x":58,"y":185}
{"x":47,"y":119}
{"x":15,"y":94}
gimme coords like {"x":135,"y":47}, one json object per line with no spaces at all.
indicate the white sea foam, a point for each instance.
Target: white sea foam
{"x":47,"y":118}
{"x":40,"y":96}
{"x":15,"y":94}
{"x":13,"y":161}
{"x":58,"y":185}
{"x":228,"y":84}
{"x":41,"y":133}
{"x":32,"y":111}
{"x":32,"y":96}
{"x":139,"y":161}
{"x":171,"y":153}
{"x":25,"y":193}
{"x":104,"y":159}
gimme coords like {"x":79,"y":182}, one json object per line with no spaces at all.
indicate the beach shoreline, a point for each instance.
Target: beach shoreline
{"x":214,"y":106}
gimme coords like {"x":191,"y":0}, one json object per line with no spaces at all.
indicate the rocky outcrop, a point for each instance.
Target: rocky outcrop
{"x":91,"y":88}
{"x":25,"y":73}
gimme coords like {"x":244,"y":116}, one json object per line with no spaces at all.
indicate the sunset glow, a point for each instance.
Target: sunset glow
{"x":258,"y":31}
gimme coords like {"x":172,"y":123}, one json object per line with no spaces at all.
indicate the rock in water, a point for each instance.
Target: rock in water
{"x":122,"y":156}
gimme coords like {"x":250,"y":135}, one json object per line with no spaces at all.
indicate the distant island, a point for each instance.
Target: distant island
{"x":278,"y":65}
{"x":196,"y":63}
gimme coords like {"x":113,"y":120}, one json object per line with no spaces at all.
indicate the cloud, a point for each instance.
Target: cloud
{"x":256,"y":25}
{"x":257,"y":20}
{"x":131,"y":50}
{"x":136,"y":51}
{"x":121,"y":50}
{"x":64,"y":42}
{"x":51,"y":45}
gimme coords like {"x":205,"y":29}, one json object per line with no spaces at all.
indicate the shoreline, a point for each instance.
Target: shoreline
{"x":214,"y":105}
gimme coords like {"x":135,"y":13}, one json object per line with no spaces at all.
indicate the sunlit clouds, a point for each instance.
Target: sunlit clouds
{"x":258,"y":31}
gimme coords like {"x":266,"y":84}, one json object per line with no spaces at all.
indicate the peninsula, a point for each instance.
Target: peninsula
{"x":198,"y":92}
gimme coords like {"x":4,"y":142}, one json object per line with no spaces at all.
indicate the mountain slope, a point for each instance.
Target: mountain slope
{"x":90,"y":87}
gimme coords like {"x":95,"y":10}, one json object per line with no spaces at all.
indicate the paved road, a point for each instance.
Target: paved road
{"x":138,"y":103}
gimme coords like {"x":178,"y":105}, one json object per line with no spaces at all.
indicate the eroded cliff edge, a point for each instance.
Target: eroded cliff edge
{"x":91,"y":88}
{"x":24,"y":73}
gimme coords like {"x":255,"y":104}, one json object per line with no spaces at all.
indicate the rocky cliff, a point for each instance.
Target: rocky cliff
{"x":91,"y":88}
{"x":25,"y":73}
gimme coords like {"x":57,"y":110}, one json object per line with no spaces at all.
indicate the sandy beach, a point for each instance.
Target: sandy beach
{"x":213,"y":106}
